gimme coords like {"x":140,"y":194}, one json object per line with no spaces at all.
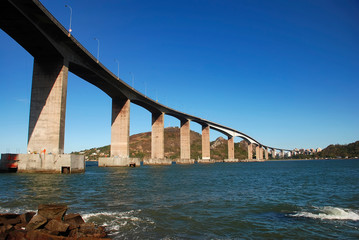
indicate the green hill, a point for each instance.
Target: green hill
{"x":340,"y":151}
{"x":140,"y":147}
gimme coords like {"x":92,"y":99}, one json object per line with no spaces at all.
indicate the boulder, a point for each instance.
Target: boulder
{"x":17,"y":235}
{"x":26,"y":217}
{"x":9,"y":218}
{"x":36,"y":222}
{"x":41,"y":235}
{"x":74,"y":219}
{"x":52,"y":211}
{"x":57,"y":226}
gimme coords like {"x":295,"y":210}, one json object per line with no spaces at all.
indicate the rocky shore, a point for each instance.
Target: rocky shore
{"x":50,"y":223}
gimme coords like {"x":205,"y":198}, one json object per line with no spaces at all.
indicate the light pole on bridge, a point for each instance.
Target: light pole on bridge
{"x":70,"y":30}
{"x":98,"y":50}
{"x":118,"y":69}
{"x":133,"y":80}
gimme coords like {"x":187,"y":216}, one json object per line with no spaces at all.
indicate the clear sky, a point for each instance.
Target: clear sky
{"x":284,"y":72}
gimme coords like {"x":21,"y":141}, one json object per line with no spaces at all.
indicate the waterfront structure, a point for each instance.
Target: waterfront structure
{"x":56,"y":52}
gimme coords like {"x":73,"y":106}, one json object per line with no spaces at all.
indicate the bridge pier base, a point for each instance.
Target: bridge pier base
{"x":43,"y":163}
{"x":118,"y":162}
{"x":185,"y":161}
{"x":157,"y":161}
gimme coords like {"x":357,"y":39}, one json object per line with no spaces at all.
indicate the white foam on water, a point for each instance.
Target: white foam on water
{"x":113,"y":221}
{"x":15,"y":210}
{"x":330,"y":213}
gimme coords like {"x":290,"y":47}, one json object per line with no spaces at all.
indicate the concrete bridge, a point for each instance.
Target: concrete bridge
{"x":56,"y":53}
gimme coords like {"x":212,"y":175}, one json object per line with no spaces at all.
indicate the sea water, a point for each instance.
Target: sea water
{"x":265,"y":200}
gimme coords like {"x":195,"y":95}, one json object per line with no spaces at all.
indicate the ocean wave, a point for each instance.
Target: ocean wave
{"x":114,"y":221}
{"x":16,"y":210}
{"x":330,"y":213}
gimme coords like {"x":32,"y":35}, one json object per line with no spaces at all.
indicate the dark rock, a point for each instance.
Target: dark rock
{"x":17,"y":235}
{"x":36,"y":222}
{"x":26,"y":217}
{"x":9,"y":218}
{"x":74,"y":233}
{"x":41,"y":235}
{"x":74,"y":219}
{"x":20,"y":226}
{"x":57,"y":226}
{"x":52,"y":211}
{"x":87,"y":228}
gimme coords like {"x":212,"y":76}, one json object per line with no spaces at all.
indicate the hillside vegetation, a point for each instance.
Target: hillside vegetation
{"x":334,"y":151}
{"x":140,"y":147}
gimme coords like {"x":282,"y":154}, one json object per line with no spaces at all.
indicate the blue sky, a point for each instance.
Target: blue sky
{"x":284,"y":72}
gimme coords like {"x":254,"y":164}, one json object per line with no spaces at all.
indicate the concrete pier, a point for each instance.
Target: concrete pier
{"x":206,"y":148}
{"x":48,"y":106}
{"x":260,"y":153}
{"x":230,"y":150}
{"x":120,"y":128}
{"x":257,"y":153}
{"x":266,"y":153}
{"x":185,"y":138}
{"x":250,"y":151}
{"x":157,"y":142}
{"x":274,"y":153}
{"x":157,"y":136}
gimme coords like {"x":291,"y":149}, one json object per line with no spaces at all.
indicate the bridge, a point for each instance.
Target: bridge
{"x":56,"y":52}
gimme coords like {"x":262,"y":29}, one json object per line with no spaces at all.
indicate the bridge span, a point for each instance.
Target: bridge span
{"x":56,"y":52}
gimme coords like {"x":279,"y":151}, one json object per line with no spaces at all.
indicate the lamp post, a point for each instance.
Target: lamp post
{"x":70,"y":30}
{"x":98,"y":50}
{"x":133,"y":79}
{"x":118,"y":69}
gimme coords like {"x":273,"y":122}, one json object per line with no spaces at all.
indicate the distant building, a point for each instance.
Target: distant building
{"x":318,"y":150}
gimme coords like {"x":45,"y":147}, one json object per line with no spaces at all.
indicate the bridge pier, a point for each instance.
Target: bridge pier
{"x":231,"y":150}
{"x":261,"y":153}
{"x":157,"y":141}
{"x":206,"y":148}
{"x":282,"y":153}
{"x":250,"y":151}
{"x":266,"y":153}
{"x":273,"y":153}
{"x":257,"y":153}
{"x":47,"y":120}
{"x":120,"y":136}
{"x":48,"y":106}
{"x":185,"y":139}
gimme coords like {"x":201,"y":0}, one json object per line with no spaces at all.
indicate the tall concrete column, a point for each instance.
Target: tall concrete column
{"x":266,"y":153}
{"x":185,"y":139}
{"x":157,"y":136}
{"x":257,"y":153}
{"x":120,"y":128}
{"x":282,"y":153}
{"x":230,"y":147}
{"x":260,"y":153}
{"x":250,"y":151}
{"x":48,"y":106}
{"x":273,"y":153}
{"x":206,"y":149}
